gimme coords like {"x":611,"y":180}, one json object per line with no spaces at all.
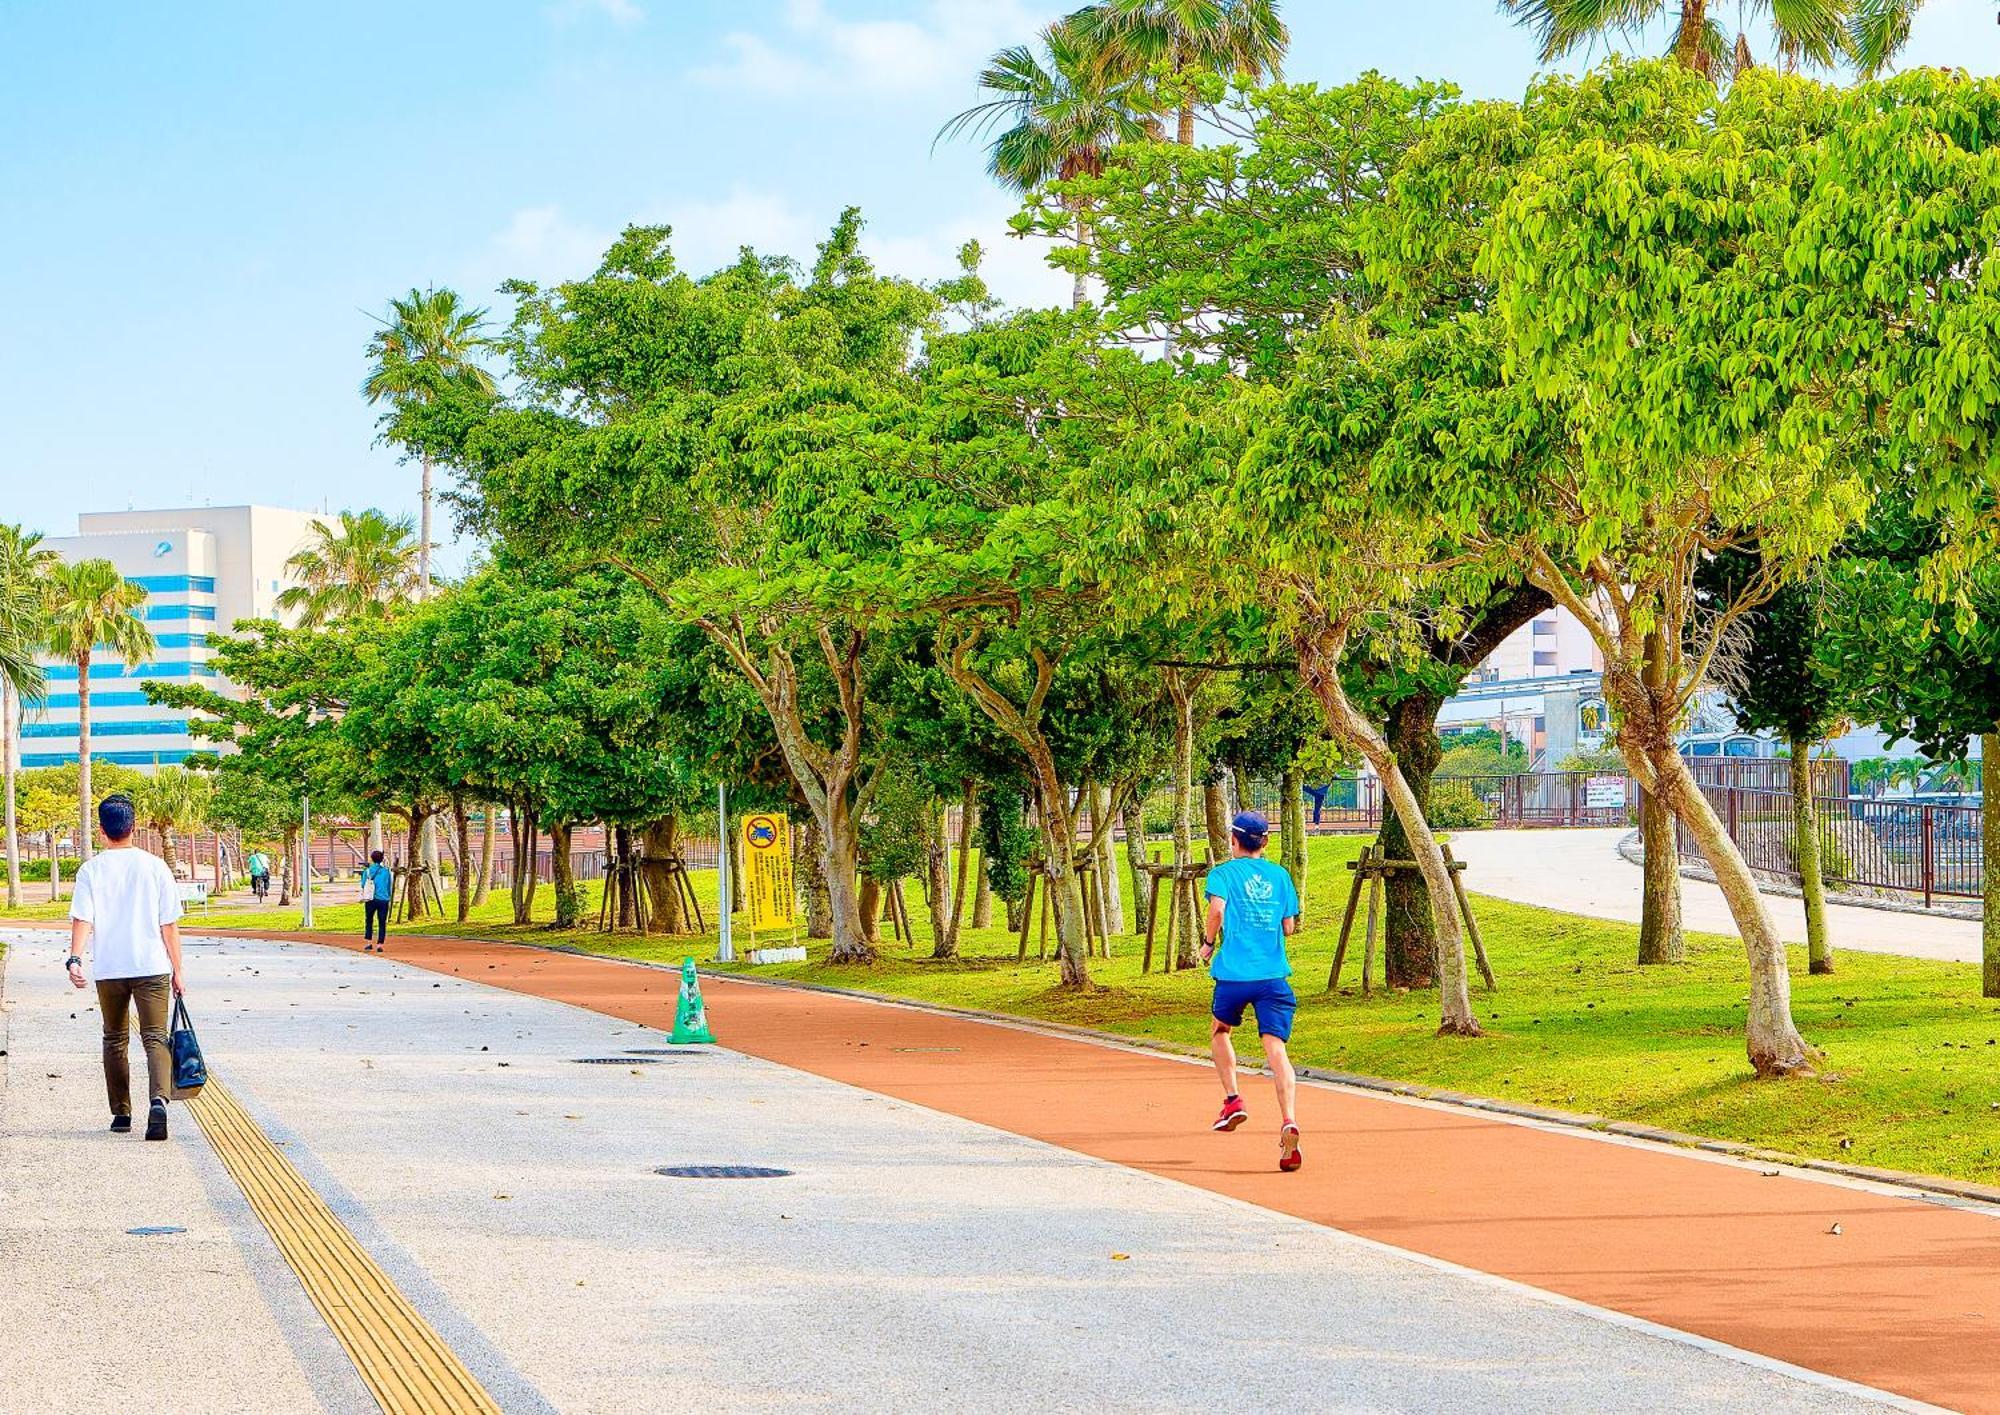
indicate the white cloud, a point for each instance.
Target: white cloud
{"x":821,"y":52}
{"x":624,"y":13}
{"x":544,"y":243}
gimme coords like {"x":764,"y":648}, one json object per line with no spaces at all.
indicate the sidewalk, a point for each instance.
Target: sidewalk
{"x":1581,"y":872}
{"x":1901,"y":1298}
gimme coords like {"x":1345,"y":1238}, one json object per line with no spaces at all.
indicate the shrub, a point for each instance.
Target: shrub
{"x":1455,"y":806}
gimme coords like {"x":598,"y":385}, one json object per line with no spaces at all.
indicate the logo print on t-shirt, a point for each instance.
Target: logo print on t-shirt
{"x":1258,"y":889}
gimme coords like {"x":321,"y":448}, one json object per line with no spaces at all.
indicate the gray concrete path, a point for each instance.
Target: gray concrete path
{"x":1581,"y":872}
{"x":911,"y":1261}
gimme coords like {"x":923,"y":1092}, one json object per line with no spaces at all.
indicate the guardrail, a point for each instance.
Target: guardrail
{"x":1909,"y":847}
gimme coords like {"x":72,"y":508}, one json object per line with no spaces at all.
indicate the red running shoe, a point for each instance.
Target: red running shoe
{"x":1290,"y":1156}
{"x":1233,"y":1114}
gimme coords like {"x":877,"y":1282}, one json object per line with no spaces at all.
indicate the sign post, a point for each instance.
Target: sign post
{"x":725,"y":950}
{"x":305,"y":862}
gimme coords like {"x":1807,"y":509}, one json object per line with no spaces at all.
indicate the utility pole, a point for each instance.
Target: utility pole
{"x":725,"y":951}
{"x":305,"y":862}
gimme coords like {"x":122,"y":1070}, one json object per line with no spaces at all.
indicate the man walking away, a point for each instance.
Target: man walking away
{"x":126,"y":904}
{"x":377,"y":886}
{"x":1253,"y":906}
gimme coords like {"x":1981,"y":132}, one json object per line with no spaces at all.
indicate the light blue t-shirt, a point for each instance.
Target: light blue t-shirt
{"x":1257,"y":897}
{"x":375,"y":883}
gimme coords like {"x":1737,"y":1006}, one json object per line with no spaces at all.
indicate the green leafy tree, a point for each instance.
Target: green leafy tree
{"x":24,"y":567}
{"x":1778,"y":679}
{"x":92,"y":608}
{"x":364,"y":567}
{"x":654,"y":415}
{"x":1922,"y":670}
{"x":427,"y":350}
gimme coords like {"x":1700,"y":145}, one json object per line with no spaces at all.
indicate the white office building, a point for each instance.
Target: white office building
{"x":203,"y":569}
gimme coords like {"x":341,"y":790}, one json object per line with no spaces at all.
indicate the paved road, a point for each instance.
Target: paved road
{"x":1581,"y":872}
{"x":913,"y":1260}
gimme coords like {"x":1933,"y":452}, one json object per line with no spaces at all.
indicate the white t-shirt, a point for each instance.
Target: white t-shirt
{"x":125,"y":896}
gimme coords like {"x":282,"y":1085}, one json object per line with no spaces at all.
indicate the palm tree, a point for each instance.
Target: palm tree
{"x":1815,"y":33}
{"x":91,"y":607}
{"x":24,"y":566}
{"x":358,"y":571}
{"x":174,"y":799}
{"x":1060,"y":115}
{"x":427,"y":343}
{"x":1188,"y":37}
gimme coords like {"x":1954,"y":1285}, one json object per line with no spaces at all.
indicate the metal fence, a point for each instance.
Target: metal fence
{"x":1909,"y":847}
{"x":1543,"y":798}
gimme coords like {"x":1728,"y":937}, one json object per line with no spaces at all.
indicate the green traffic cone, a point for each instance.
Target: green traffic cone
{"x":691,"y":1018}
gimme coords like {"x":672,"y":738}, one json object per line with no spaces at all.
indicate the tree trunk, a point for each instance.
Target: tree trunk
{"x":1989,"y":821}
{"x":55,"y":868}
{"x":1292,"y":825}
{"x":1409,"y":937}
{"x":1319,"y":665}
{"x":1079,"y":290}
{"x":982,"y":897}
{"x":1111,"y":896}
{"x":1134,"y":821}
{"x":659,"y":843}
{"x":285,"y":848}
{"x":1690,"y":39}
{"x":628,"y":915}
{"x":7,"y":716}
{"x":424,"y":533}
{"x":522,"y":875}
{"x":968,"y":821}
{"x":87,"y":835}
{"x":375,"y":833}
{"x":1806,"y":849}
{"x":1182,"y":692}
{"x":1770,"y":1037}
{"x":937,"y":885}
{"x":843,"y":870}
{"x":484,"y":886}
{"x":462,"y":866}
{"x":1215,"y":812}
{"x":1661,"y":939}
{"x":417,"y":891}
{"x":870,"y":907}
{"x":812,"y":868}
{"x":167,"y":855}
{"x":737,"y":901}
{"x":1059,"y":875}
{"x":569,"y":906}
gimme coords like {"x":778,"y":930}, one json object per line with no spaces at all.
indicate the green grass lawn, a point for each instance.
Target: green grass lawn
{"x":1912,"y":1053}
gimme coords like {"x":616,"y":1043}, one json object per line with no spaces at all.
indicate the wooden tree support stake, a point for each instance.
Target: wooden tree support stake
{"x":1372,"y":871}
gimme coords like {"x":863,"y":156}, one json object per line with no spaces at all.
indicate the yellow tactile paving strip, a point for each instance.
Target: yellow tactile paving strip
{"x":404,"y":1363}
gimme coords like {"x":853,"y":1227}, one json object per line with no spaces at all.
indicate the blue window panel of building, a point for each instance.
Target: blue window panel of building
{"x":102,"y":700}
{"x":181,"y":641}
{"x":168,"y":756}
{"x":173,"y":727}
{"x":169,"y":612}
{"x":66,"y":672}
{"x":175,"y":584}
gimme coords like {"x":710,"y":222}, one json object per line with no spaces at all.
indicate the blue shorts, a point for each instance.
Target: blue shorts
{"x":1272,"y":997}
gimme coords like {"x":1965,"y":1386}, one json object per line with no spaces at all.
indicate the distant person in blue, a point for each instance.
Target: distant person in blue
{"x":1253,"y":907}
{"x":378,"y":887}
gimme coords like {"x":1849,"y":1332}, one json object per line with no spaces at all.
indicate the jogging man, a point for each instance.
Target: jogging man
{"x":127,"y":905}
{"x":377,"y":885}
{"x":1253,"y":907}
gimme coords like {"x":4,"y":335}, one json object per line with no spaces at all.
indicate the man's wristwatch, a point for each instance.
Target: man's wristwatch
{"x":72,"y":962}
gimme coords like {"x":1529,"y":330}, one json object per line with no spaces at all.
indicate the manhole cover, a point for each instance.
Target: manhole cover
{"x":155,"y":1230}
{"x":666,"y":1051}
{"x":616,"y":1061}
{"x":721,"y":1171}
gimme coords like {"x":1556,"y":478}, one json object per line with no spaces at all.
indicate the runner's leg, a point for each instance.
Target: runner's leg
{"x":1224,"y":1052}
{"x":1283,"y":1079}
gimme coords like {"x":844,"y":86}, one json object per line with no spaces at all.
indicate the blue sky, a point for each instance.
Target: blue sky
{"x":204,"y":201}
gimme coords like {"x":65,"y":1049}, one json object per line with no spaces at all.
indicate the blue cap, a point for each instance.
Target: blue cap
{"x":1250,"y":827}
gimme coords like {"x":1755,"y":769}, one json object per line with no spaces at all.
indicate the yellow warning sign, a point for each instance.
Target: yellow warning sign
{"x":767,"y":871}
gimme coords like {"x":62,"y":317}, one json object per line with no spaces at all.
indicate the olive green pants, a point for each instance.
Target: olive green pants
{"x":153,"y":999}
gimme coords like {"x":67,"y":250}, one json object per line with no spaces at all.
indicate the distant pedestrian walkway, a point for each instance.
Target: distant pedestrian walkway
{"x":1581,"y":872}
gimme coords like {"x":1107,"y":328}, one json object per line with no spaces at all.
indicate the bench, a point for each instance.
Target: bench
{"x":193,"y":892}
